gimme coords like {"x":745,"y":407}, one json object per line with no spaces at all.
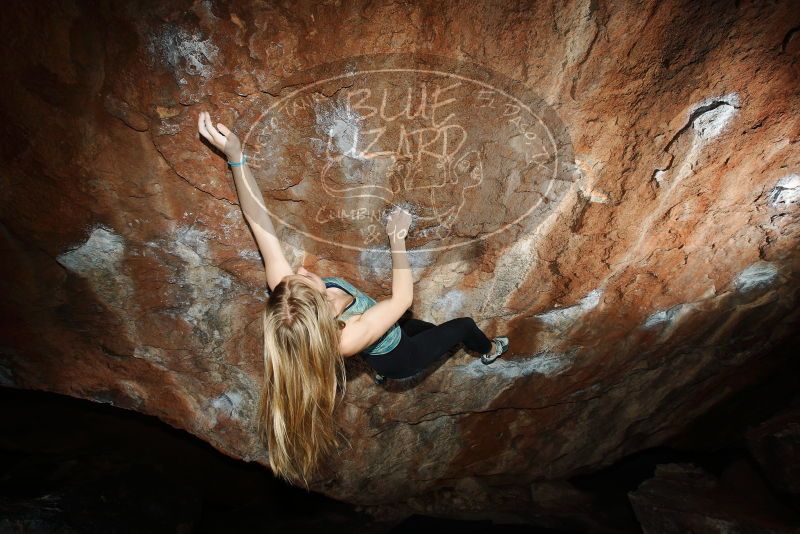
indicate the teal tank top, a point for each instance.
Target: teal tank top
{"x":362,"y":303}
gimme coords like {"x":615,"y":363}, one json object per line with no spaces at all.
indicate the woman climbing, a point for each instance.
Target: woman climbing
{"x":311,"y":323}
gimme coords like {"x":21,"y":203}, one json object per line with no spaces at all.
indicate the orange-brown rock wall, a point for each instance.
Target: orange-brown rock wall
{"x":656,"y":271}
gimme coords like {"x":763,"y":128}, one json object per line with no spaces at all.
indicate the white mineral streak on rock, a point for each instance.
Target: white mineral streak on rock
{"x":99,"y":261}
{"x":760,"y":275}
{"x":229,"y":404}
{"x":705,"y":126}
{"x":207,"y":285}
{"x":660,"y":317}
{"x":786,"y":191}
{"x":562,"y":319}
{"x":511,"y":271}
{"x":544,"y":363}
{"x":451,"y":304}
{"x":713,"y":122}
{"x":154,"y":355}
{"x":183,"y":51}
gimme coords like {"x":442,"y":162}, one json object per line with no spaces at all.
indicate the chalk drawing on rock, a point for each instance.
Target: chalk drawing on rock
{"x":392,"y":129}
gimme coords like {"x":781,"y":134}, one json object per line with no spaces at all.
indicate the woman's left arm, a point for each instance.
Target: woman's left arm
{"x":250,"y":200}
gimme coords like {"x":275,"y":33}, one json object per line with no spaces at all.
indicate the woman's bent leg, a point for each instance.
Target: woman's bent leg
{"x":414,"y":326}
{"x":414,"y":354}
{"x":434,"y":342}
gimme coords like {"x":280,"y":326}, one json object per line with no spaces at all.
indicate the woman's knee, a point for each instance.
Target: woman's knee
{"x":468,"y":321}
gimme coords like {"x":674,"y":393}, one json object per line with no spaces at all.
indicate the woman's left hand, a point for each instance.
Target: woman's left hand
{"x":223,"y":139}
{"x":397,"y":224}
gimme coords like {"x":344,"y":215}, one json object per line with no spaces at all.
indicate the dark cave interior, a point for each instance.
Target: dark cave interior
{"x":70,"y":465}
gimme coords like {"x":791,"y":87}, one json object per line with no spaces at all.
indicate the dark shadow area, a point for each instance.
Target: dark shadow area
{"x":68,"y":463}
{"x":715,"y":442}
{"x":417,"y":523}
{"x":71,"y":465}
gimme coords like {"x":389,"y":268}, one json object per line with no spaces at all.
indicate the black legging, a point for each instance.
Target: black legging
{"x":422,"y":343}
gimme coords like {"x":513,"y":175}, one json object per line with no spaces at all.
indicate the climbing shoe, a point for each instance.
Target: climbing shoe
{"x":499,"y":346}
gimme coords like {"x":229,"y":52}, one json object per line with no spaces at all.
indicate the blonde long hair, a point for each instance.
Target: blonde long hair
{"x":303,"y":370}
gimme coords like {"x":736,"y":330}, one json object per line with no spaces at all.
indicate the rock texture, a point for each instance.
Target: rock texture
{"x":685,"y":498}
{"x":775,"y":444}
{"x":657,"y":270}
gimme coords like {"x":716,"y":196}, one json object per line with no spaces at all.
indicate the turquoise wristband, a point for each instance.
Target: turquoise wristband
{"x":238,"y":163}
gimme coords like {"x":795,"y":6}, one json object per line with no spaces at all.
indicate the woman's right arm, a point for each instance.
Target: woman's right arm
{"x":250,"y":199}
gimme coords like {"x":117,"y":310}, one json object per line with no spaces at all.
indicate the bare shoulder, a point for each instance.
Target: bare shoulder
{"x":348,"y":334}
{"x":370,"y":326}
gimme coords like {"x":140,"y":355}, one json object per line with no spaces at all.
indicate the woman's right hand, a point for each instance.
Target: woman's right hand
{"x":223,"y":139}
{"x":397,"y":224}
